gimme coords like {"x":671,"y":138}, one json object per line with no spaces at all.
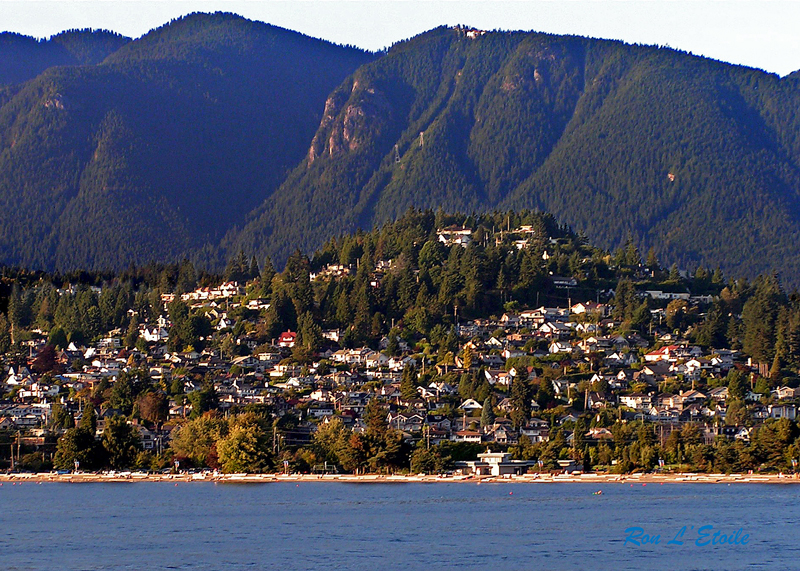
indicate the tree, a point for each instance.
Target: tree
{"x":197,"y":439}
{"x":487,"y":413}
{"x":408,"y":384}
{"x":46,"y":360}
{"x":353,"y":454}
{"x":77,"y":444}
{"x":121,"y":442}
{"x":244,"y":449}
{"x":424,"y":461}
{"x":5,"y":334}
{"x":203,"y":400}
{"x":60,"y":417}
{"x":309,"y":337}
{"x":329,"y":439}
{"x":467,"y":357}
{"x":57,"y":338}
{"x":88,"y":420}
{"x":153,"y":406}
{"x":375,"y":418}
{"x":122,"y":394}
{"x":520,"y":401}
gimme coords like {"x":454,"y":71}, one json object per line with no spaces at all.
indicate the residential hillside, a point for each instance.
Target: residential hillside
{"x":412,"y":347}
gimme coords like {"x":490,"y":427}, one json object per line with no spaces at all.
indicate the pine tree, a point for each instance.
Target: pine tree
{"x":520,"y":402}
{"x":487,"y":414}
{"x":408,"y":384}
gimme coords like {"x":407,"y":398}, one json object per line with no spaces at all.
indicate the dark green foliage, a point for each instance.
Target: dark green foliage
{"x":161,"y":148}
{"x":212,"y":136}
{"x":23,"y":58}
{"x":121,"y":443}
{"x":693,"y":158}
{"x":78,"y":444}
{"x":203,"y":400}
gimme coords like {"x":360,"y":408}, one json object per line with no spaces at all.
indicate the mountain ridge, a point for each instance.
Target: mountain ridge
{"x":214,"y":134}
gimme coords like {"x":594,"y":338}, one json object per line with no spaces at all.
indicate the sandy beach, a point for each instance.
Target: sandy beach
{"x":186,"y":478}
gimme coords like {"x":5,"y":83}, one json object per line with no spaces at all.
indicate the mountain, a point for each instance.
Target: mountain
{"x":695,"y":158}
{"x":164,"y":146}
{"x":215,"y":134}
{"x":23,"y":58}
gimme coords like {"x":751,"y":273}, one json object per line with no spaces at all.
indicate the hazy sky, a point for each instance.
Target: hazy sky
{"x":757,"y":33}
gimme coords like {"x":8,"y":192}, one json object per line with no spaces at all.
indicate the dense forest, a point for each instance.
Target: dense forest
{"x":23,"y":58}
{"x":157,"y":151}
{"x":214,"y":134}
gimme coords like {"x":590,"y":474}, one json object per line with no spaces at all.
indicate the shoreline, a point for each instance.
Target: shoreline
{"x":644,"y":479}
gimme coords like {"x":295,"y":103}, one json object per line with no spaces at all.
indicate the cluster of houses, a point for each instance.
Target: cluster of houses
{"x":592,"y":368}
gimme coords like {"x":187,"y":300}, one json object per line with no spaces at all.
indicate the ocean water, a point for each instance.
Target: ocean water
{"x":371,"y":526}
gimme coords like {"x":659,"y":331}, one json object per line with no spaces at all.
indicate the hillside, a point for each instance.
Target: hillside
{"x":23,"y":58}
{"x":214,"y":134}
{"x":695,"y":158}
{"x":160,"y":149}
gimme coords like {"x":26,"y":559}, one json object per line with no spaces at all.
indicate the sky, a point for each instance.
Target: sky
{"x":757,"y":33}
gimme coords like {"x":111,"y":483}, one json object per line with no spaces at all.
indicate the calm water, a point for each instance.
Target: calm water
{"x":203,"y":526}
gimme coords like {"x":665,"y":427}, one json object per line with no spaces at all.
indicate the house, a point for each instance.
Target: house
{"x":494,"y":464}
{"x":502,"y":435}
{"x":563,"y":281}
{"x":441,"y":388}
{"x":496,"y":377}
{"x":588,"y":328}
{"x":511,"y":353}
{"x":719,"y":394}
{"x":599,"y":434}
{"x":536,"y":429}
{"x":491,"y":360}
{"x":668,"y":353}
{"x":785,"y":393}
{"x":555,"y":330}
{"x":560,"y":347}
{"x":472,"y":436}
{"x":653,"y":373}
{"x":562,"y":387}
{"x":375,"y":360}
{"x":401,"y":343}
{"x":663,"y":414}
{"x":470,"y":405}
{"x":639,"y":401}
{"x":287,"y":339}
{"x":589,"y":308}
{"x":783,"y":411}
{"x":154,"y":334}
{"x":455,"y":235}
{"x":692,"y":396}
{"x":599,"y":400}
{"x":412,"y":422}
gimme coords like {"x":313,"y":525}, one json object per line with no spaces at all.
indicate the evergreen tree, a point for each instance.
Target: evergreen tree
{"x":487,"y":413}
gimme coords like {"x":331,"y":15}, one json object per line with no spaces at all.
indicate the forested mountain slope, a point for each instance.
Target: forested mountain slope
{"x":160,"y":149}
{"x":23,"y":58}
{"x":695,"y":158}
{"x":214,"y":134}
